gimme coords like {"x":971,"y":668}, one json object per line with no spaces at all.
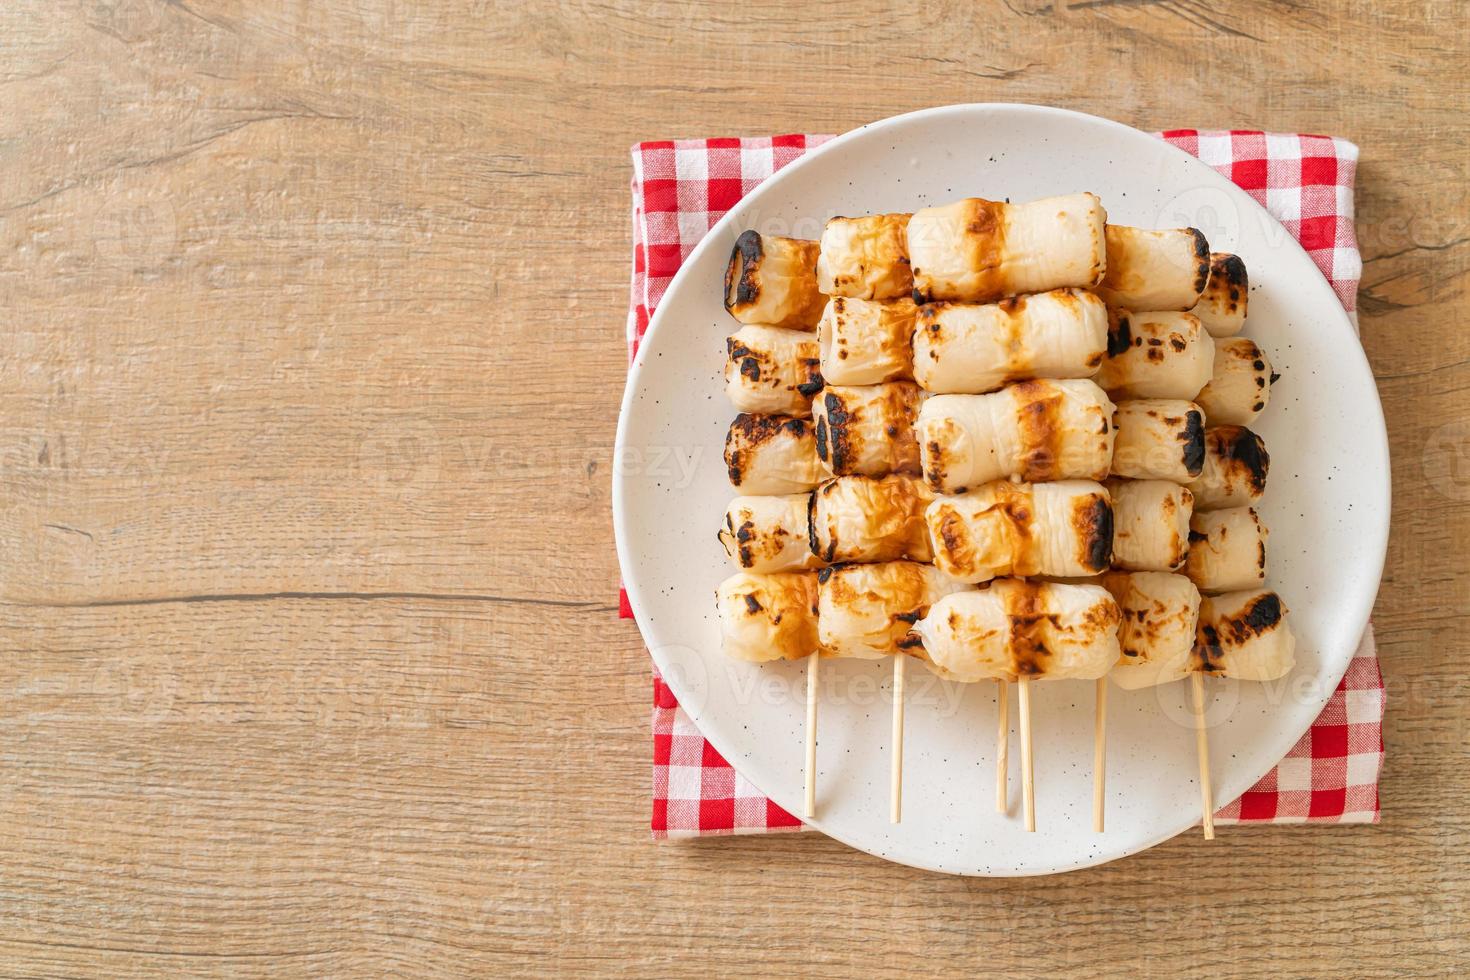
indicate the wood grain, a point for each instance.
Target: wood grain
{"x":313,"y":354}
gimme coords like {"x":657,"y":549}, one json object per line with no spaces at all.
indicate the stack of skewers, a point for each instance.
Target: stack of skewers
{"x":1007,"y":441}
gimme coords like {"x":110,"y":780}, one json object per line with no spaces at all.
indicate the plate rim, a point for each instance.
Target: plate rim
{"x":1358,"y":359}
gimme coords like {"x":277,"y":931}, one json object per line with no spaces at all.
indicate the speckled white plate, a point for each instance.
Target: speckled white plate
{"x":1327,"y":504}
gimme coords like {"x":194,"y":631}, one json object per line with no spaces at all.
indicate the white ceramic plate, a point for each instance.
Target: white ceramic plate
{"x":1327,"y":504}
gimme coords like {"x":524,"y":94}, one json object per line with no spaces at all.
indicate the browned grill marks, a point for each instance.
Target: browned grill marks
{"x":985,"y":238}
{"x":1007,"y":546}
{"x":742,"y":537}
{"x":836,"y":449}
{"x":1202,"y":260}
{"x":751,"y":431}
{"x":1026,"y":640}
{"x":1206,"y":654}
{"x":1094,"y":522}
{"x":1232,"y":269}
{"x":1040,"y":425}
{"x":1120,"y":333}
{"x":1261,"y":615}
{"x":742,"y":274}
{"x":1193,"y":438}
{"x":1015,"y":504}
{"x":1240,"y":449}
{"x":936,"y":471}
{"x":811,"y":525}
{"x":956,"y":543}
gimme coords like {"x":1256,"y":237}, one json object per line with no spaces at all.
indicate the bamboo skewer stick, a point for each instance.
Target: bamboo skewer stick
{"x":812,"y":665}
{"x":895,"y":789}
{"x":1028,"y":788}
{"x":1100,"y":755}
{"x":1202,"y":745}
{"x":1002,"y":745}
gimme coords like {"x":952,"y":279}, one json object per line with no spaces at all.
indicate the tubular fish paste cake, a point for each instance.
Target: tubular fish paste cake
{"x":1036,"y":431}
{"x":1157,"y":355}
{"x":866,"y":258}
{"x":772,"y":454}
{"x":773,"y":281}
{"x":1159,"y":439}
{"x":1240,"y":383}
{"x":769,"y":534}
{"x":1160,"y":613}
{"x":1012,"y":628}
{"x":868,"y":429}
{"x":1244,"y":635}
{"x":868,"y":518}
{"x":866,"y":342}
{"x":866,"y":611}
{"x":979,"y":251}
{"x":1001,"y":529}
{"x":1150,"y":524}
{"x":1234,"y":471}
{"x":1222,"y":308}
{"x":1227,"y":550}
{"x":772,"y":370}
{"x":974,"y":348}
{"x":1155,"y":270}
{"x":768,"y":617}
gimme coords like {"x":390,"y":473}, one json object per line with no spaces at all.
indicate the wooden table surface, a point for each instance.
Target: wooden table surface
{"x":309,"y":658}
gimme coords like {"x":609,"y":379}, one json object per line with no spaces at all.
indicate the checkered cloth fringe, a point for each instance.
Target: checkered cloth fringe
{"x":682,"y":187}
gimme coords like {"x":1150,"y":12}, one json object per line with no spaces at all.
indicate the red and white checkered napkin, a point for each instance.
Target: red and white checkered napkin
{"x":682,"y":187}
